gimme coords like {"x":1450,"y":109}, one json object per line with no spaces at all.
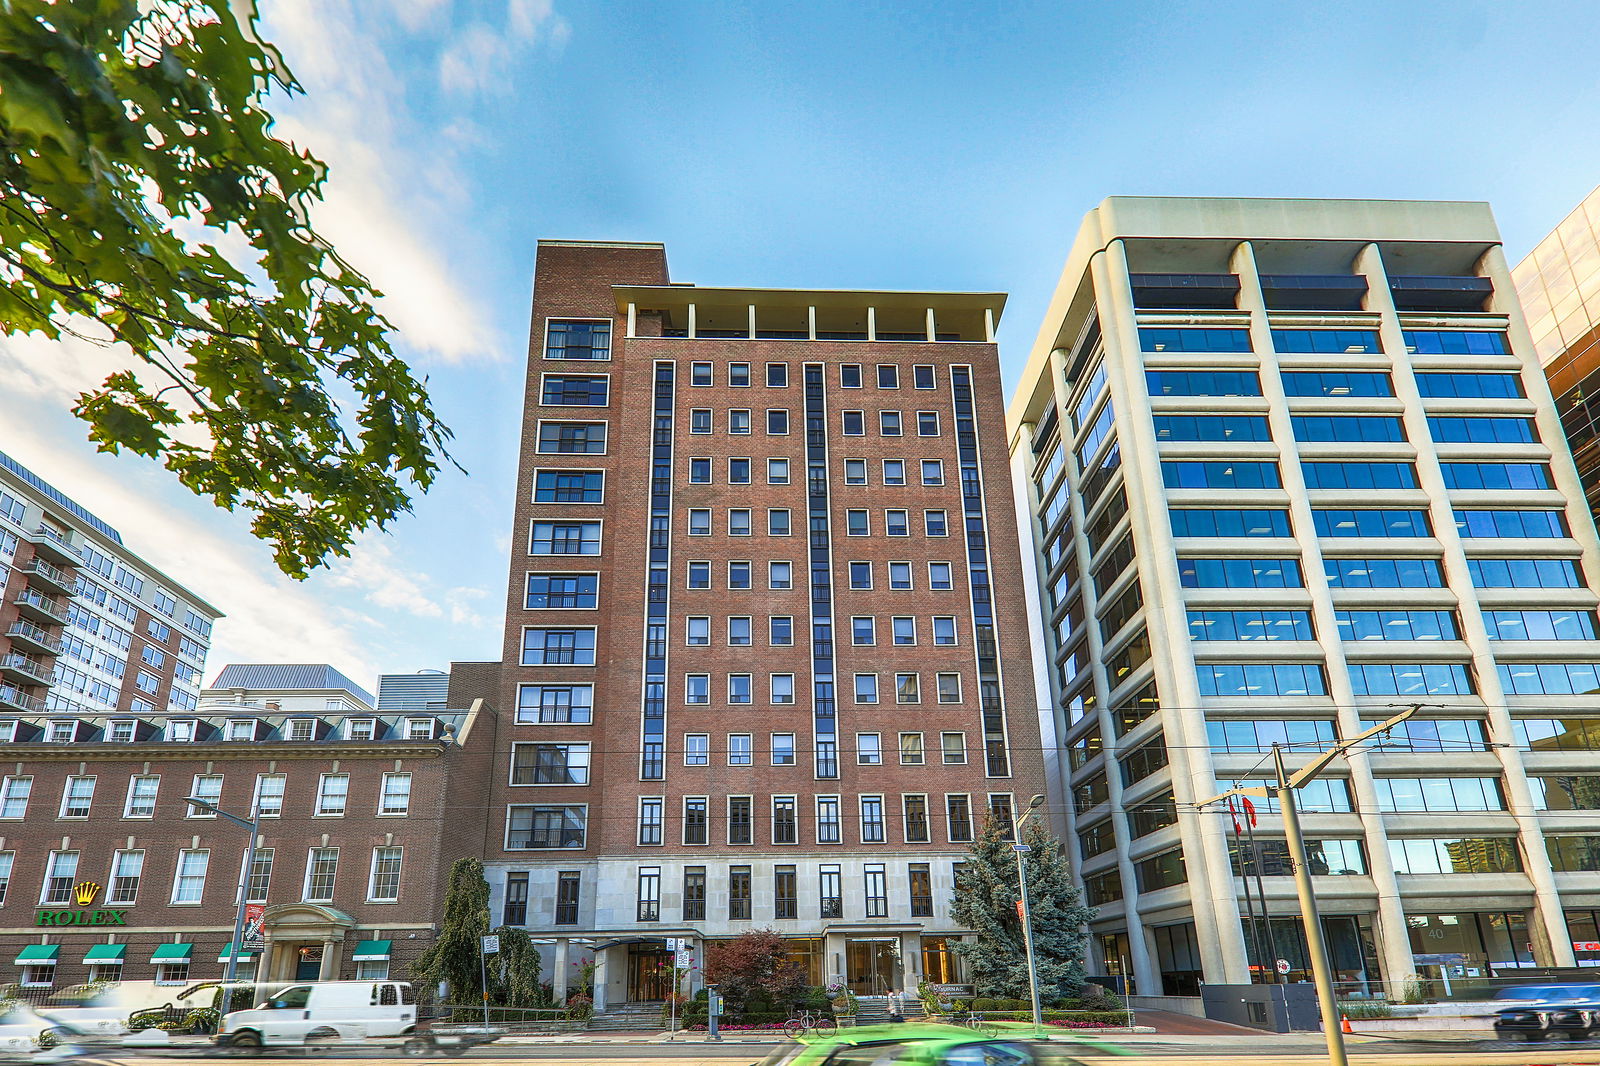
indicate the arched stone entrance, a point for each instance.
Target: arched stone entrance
{"x":305,"y":941}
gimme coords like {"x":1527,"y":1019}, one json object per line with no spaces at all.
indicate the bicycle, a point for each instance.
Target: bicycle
{"x":808,"y":1021}
{"x":976,"y":1022}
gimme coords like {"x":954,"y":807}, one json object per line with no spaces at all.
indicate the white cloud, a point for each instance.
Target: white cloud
{"x":478,"y":58}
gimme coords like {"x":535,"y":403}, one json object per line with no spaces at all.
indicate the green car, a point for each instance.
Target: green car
{"x":927,"y":1044}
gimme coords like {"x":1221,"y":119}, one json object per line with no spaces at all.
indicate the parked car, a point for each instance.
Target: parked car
{"x":27,"y":1035}
{"x":927,"y":1045}
{"x":1548,"y":1012}
{"x":100,"y":1009}
{"x":325,"y":1012}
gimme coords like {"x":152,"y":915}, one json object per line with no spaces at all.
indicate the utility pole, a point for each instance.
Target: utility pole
{"x":1321,"y":970}
{"x":1020,"y":849}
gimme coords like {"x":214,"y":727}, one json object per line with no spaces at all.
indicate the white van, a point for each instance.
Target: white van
{"x":326,"y":1012}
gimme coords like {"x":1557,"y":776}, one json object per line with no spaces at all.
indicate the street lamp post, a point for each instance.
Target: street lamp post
{"x":1019,"y":849}
{"x":254,"y":829}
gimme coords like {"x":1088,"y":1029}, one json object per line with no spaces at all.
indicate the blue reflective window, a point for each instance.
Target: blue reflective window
{"x":1410,"y":679}
{"x":1524,"y":573}
{"x":1343,"y":428}
{"x":575,"y":390}
{"x":1489,"y":429}
{"x":1550,"y":679}
{"x":1326,"y":341}
{"x":1250,"y":625}
{"x":1196,"y":573}
{"x":567,"y":339}
{"x":1540,"y":625}
{"x":1219,"y":475}
{"x":1194,"y":340}
{"x":1203,"y":382}
{"x":1511,"y":523}
{"x":1348,"y":474}
{"x":1229,"y":522}
{"x":1383,"y":573}
{"x":1396,"y":625}
{"x":1496,"y":475}
{"x":1455,"y":342}
{"x":1370,"y":522}
{"x":1261,"y":734}
{"x":1261,"y":679}
{"x":1336,"y":383}
{"x":1212,"y":427}
{"x":1460,"y":384}
{"x":562,"y":591}
{"x":569,"y":486}
{"x":1094,"y":436}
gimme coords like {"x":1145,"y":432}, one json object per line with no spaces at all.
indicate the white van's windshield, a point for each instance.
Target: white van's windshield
{"x":294,"y":998}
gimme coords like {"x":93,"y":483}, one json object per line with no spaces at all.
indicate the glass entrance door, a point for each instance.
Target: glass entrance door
{"x":649,"y":973}
{"x":873,"y":966}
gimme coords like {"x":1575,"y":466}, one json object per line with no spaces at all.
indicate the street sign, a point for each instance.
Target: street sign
{"x":674,"y":943}
{"x":491,"y":945}
{"x":685,"y":959}
{"x":1283,"y":966}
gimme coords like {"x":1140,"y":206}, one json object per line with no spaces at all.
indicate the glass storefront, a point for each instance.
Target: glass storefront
{"x":1116,"y":961}
{"x":1351,"y":946}
{"x":939,"y":964}
{"x":1583,"y":927}
{"x":806,"y":953}
{"x":1178,"y":959}
{"x":1451,"y":948}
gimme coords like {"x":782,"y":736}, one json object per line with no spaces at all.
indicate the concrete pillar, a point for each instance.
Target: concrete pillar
{"x":691,"y":320}
{"x":988,"y":324}
{"x":752,"y":321}
{"x":633,"y":319}
{"x":811,"y":323}
{"x":558,"y":979}
{"x":872,"y":323}
{"x":601,"y":976}
{"x":932,"y":333}
{"x":330,"y":960}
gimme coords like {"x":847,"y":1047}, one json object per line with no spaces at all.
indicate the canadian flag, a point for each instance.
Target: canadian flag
{"x":1019,"y":910}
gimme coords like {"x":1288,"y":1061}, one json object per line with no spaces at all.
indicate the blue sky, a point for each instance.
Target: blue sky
{"x":833,"y":145}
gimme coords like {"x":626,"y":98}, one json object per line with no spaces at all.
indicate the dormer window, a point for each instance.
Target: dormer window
{"x":242,"y":729}
{"x":419,"y":728}
{"x":121,"y":731}
{"x":359,"y":728}
{"x":180,"y":730}
{"x":63,"y":732}
{"x":302,"y":729}
{"x":8,"y":730}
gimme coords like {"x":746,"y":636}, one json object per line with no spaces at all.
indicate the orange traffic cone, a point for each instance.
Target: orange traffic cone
{"x":1344,"y":1023}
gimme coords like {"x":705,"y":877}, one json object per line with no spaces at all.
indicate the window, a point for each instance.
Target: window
{"x":850,"y":375}
{"x":1457,"y":384}
{"x":853,"y":423}
{"x":1482,"y":429}
{"x":888,"y":376}
{"x":1455,"y":342}
{"x":699,"y":575}
{"x":777,"y":521}
{"x":694,"y":893}
{"x":1261,"y":679}
{"x":1326,"y":341}
{"x":738,"y":421}
{"x":269,"y":795}
{"x":866,"y":688}
{"x":1192,"y":340}
{"x":900,"y":576}
{"x":142,"y":791}
{"x":739,"y":575}
{"x":152,"y":657}
{"x":1239,"y":573}
{"x":935,"y":524}
{"x":927,"y":423}
{"x":896,"y":523}
{"x":953,"y":747}
{"x":189,"y":883}
{"x":738,"y":893}
{"x":303,"y":728}
{"x":700,"y":420}
{"x":785,"y":901}
{"x":1258,"y":735}
{"x":1202,"y":382}
{"x":922,"y":377}
{"x":207,"y":787}
{"x":700,"y":375}
{"x":777,"y":421}
{"x":395,"y":795}
{"x":1336,"y":383}
{"x":696,"y":749}
{"x":1396,"y":625}
{"x":783,"y":749}
{"x":699,"y":522}
{"x":828,"y":820}
{"x":855,"y":471}
{"x":855,"y":523}
{"x":562,"y":592}
{"x":777,"y":375}
{"x":126,"y":869}
{"x":549,"y":704}
{"x":648,"y":895}
{"x":739,"y":690}
{"x":122,"y":732}
{"x":542,"y":763}
{"x":1384,"y":573}
{"x":939,"y":579}
{"x":1531,"y":524}
{"x":360,"y":728}
{"x":557,"y":647}
{"x":911,"y":749}
{"x":782,"y":688}
{"x":739,"y":631}
{"x":830,"y":898}
{"x":740,"y":751}
{"x":1524,"y":573}
{"x":777,"y":471}
{"x":932,"y":472}
{"x":1161,"y":870}
{"x":383,"y":884}
{"x":1403,"y":794}
{"x":1195,"y":474}
{"x":894,"y":471}
{"x":869,"y":749}
{"x":1496,"y":476}
{"x":861,"y":575}
{"x":515,"y":911}
{"x":575,"y":390}
{"x":650,"y":810}
{"x":697,"y":688}
{"x":915,"y":810}
{"x":958,"y":818}
{"x":61,"y":871}
{"x":333,"y":794}
{"x":1550,"y":679}
{"x":739,"y":522}
{"x":564,"y":538}
{"x":1349,"y":474}
{"x":738,"y":375}
{"x":785,"y":820}
{"x":907,"y":688}
{"x":1250,"y":625}
{"x":1454,"y":855}
{"x":538,"y":826}
{"x":148,"y":682}
{"x":77,"y":797}
{"x":570,"y":339}
{"x":572,"y":438}
{"x":1370,"y":522}
{"x":780,"y":630}
{"x":568,"y":885}
{"x":696,"y":820}
{"x":863,"y":631}
{"x":1212,"y":428}
{"x":699,"y":471}
{"x":738,"y":471}
{"x":780,"y":575}
{"x":944,"y":630}
{"x":905,"y":631}
{"x":741,"y":820}
{"x":877,"y":890}
{"x":1540,"y":625}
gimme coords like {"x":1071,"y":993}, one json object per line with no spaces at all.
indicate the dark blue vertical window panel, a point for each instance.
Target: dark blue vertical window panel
{"x":1194,"y":340}
{"x":1349,"y":474}
{"x":1455,"y":342}
{"x":1524,"y":573}
{"x":658,"y":582}
{"x":1203,"y":382}
{"x":1538,"y":524}
{"x":1496,"y":475}
{"x":1383,"y":573}
{"x":1370,"y":522}
{"x":1239,"y":573}
{"x":1336,"y":383}
{"x":824,"y":717}
{"x":1212,"y":427}
{"x":1219,"y":475}
{"x":1326,"y":341}
{"x":1489,"y":429}
{"x":1229,"y":522}
{"x":1369,"y":429}
{"x":1458,"y":384}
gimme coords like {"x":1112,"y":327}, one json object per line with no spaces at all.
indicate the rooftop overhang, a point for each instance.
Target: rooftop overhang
{"x":791,"y":312}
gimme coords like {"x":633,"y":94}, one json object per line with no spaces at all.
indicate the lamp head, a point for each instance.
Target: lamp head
{"x":1035,"y":803}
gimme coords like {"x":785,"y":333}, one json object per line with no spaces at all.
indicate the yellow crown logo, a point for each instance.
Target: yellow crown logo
{"x":84,"y":892}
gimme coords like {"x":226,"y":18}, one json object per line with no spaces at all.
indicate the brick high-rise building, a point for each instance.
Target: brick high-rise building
{"x":767,"y":663}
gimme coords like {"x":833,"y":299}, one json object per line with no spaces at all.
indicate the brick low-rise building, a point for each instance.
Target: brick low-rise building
{"x":109,"y":873}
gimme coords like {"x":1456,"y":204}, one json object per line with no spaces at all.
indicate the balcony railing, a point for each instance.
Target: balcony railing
{"x":51,"y":542}
{"x":27,"y":667}
{"x":43,"y":571}
{"x":36,"y":604}
{"x":11,"y":696}
{"x":32,"y":636}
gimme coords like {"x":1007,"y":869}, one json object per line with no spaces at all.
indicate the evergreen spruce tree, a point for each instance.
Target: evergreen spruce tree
{"x":986,"y":902}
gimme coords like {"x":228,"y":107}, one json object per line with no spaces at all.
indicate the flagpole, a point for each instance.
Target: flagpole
{"x":1249,"y":901}
{"x":1261,"y":888}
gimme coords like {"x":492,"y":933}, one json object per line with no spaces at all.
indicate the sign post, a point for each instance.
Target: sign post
{"x":489,"y":945}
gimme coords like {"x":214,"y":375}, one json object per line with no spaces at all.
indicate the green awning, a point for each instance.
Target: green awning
{"x":244,"y":956}
{"x":106,"y":953}
{"x":39,"y":954}
{"x":172,"y":953}
{"x":371,"y":951}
